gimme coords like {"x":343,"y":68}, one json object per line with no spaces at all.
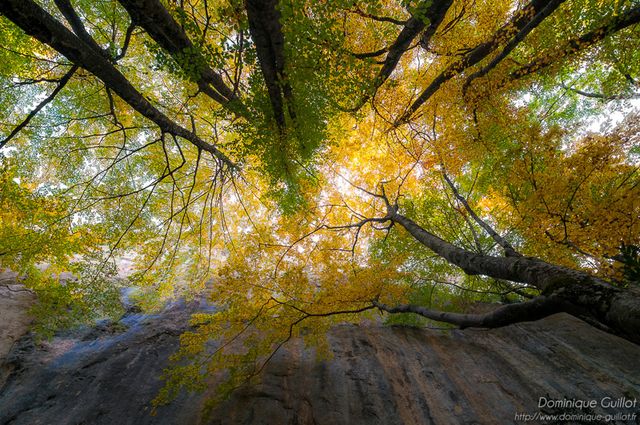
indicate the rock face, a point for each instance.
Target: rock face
{"x":379,"y":375}
{"x":15,"y":301}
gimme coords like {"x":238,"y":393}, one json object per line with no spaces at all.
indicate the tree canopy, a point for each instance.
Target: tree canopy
{"x":307,"y":163}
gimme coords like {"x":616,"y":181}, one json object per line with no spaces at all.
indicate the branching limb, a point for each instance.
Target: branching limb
{"x":127,"y":41}
{"x":61,"y":83}
{"x":602,"y":96}
{"x":78,"y":27}
{"x":519,"y":22}
{"x":155,"y":19}
{"x":532,"y":24}
{"x":38,"y":23}
{"x":434,"y":13}
{"x":508,"y":287}
{"x":266,"y":32}
{"x":565,"y":241}
{"x":506,"y":246}
{"x":528,"y":270}
{"x":617,"y":23}
{"x":364,"y":14}
{"x":508,"y":314}
{"x":373,"y":54}
{"x":305,"y":316}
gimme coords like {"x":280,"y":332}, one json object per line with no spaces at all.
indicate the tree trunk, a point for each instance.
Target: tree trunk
{"x":266,"y":32}
{"x":562,"y":288}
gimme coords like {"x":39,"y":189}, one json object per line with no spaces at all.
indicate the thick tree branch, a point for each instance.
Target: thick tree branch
{"x":529,"y":270}
{"x":519,"y":22}
{"x":582,"y":294}
{"x":535,"y":309}
{"x":617,"y":23}
{"x":61,"y":83}
{"x":36,"y":22}
{"x":434,"y":14}
{"x":266,"y":32}
{"x":532,"y":24}
{"x":77,"y":25}
{"x":153,"y":17}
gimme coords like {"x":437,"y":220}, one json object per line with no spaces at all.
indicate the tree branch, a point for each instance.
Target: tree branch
{"x":364,"y":14}
{"x":153,"y":17}
{"x":434,"y":14}
{"x":38,"y":23}
{"x":508,"y":314}
{"x":617,"y":23}
{"x":529,"y":270}
{"x":78,"y":27}
{"x":602,"y":96}
{"x":266,"y":32}
{"x":61,"y":83}
{"x":370,"y":54}
{"x":519,"y":22}
{"x":530,"y":26}
{"x":127,"y":40}
{"x":508,"y":249}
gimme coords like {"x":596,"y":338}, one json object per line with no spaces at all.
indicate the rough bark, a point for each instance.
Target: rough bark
{"x":537,"y":308}
{"x":266,"y":32}
{"x":573,"y":291}
{"x":39,"y":24}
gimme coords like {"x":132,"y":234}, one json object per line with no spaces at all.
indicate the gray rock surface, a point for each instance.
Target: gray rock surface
{"x":378,"y":375}
{"x":15,"y":301}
